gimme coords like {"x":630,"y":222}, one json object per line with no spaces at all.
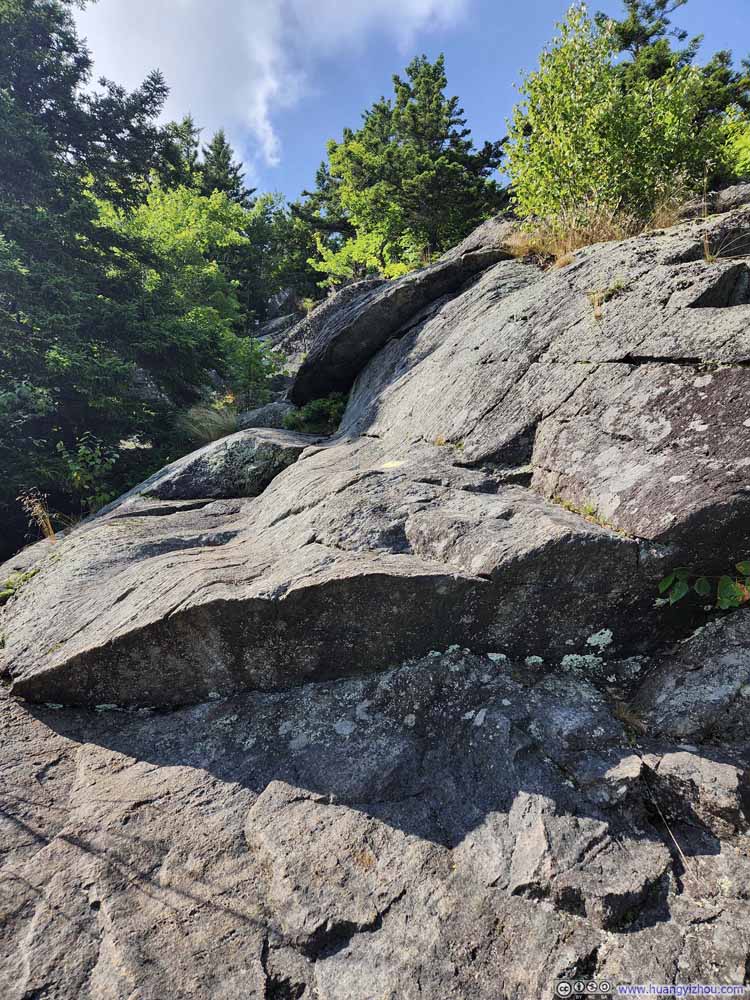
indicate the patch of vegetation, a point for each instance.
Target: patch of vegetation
{"x":725,"y":591}
{"x":202,"y":424}
{"x":10,"y":587}
{"x":600,"y":296}
{"x":319,"y":416}
{"x":595,"y":140}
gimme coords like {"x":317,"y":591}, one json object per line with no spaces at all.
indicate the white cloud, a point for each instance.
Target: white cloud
{"x":235,"y":63}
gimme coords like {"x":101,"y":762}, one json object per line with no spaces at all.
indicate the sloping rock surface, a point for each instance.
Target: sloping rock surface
{"x":354,"y":331}
{"x":257,"y":757}
{"x":617,"y":386}
{"x":457,"y":827}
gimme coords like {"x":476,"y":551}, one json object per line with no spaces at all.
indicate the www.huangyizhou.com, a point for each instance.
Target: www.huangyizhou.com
{"x":683,"y":990}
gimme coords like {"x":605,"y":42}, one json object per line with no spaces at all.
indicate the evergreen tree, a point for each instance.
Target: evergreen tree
{"x":107,"y":282}
{"x":652,"y":47}
{"x":179,"y":166}
{"x":409,"y":182}
{"x":220,"y":172}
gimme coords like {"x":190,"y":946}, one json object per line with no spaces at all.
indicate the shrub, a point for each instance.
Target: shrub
{"x":203,"y":423}
{"x":583,"y":143}
{"x":319,"y":416}
{"x":738,"y":145}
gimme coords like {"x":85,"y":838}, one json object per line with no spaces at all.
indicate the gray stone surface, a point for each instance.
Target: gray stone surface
{"x":355,"y":329}
{"x":270,"y":415}
{"x":438,"y":831}
{"x":240,"y":465}
{"x":415,"y":527}
{"x":277,"y":787}
{"x":702,"y":691}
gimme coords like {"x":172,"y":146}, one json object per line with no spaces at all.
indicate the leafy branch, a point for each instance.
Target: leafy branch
{"x":730,"y":592}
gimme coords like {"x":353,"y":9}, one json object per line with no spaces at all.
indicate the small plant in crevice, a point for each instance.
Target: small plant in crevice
{"x":10,"y":587}
{"x":598,"y":297}
{"x":725,"y":591}
{"x":319,"y":416}
{"x":588,"y":511}
{"x":35,"y":506}
{"x":630,"y":718}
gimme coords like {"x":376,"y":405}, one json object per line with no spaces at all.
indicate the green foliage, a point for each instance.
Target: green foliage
{"x":182,"y":306}
{"x":203,"y":423}
{"x":408,"y":184}
{"x":220,"y":172}
{"x":115,"y":272}
{"x":585,"y":139}
{"x":10,"y":587}
{"x":281,"y":244}
{"x":253,"y":364}
{"x":319,"y":416}
{"x":87,"y":467}
{"x":738,"y":144}
{"x":729,"y":592}
{"x":643,"y":39}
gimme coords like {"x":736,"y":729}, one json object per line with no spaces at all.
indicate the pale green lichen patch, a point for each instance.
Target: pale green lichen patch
{"x":600,"y":639}
{"x":576,"y":663}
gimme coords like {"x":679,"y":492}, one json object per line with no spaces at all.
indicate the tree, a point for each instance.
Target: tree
{"x":409,"y":182}
{"x":114,"y":308}
{"x":220,"y":172}
{"x":180,"y":166}
{"x":583,"y":143}
{"x":645,"y":37}
{"x":275,"y":259}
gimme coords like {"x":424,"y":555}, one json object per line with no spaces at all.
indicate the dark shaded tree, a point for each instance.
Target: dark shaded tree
{"x":220,"y":171}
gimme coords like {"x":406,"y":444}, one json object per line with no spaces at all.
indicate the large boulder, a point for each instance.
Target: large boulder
{"x":411,"y":722}
{"x":240,"y":465}
{"x":357,"y":327}
{"x":270,"y":415}
{"x":616,"y":385}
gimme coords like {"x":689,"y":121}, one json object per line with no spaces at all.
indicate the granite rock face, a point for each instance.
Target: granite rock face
{"x":461,"y":826}
{"x":397,"y":714}
{"x":616,"y":387}
{"x":270,"y":415}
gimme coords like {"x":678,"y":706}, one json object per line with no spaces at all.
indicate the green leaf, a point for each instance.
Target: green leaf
{"x":666,"y":583}
{"x":678,"y":591}
{"x":728,"y":593}
{"x":744,"y":567}
{"x":682,"y":573}
{"x":702,"y":586}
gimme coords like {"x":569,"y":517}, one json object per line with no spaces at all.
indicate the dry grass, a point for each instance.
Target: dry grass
{"x":598,"y":297}
{"x":34,"y":504}
{"x":554,"y":242}
{"x":204,"y":424}
{"x":629,"y":717}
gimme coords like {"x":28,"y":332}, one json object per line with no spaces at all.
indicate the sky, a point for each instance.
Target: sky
{"x":283,"y":76}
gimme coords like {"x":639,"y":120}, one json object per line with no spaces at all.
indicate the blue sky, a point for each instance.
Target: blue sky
{"x":283,"y":76}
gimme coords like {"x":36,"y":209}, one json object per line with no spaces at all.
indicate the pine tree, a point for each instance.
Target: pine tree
{"x":102,"y":277}
{"x":409,"y":182}
{"x":652,"y":47}
{"x":220,"y":172}
{"x":179,"y":166}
